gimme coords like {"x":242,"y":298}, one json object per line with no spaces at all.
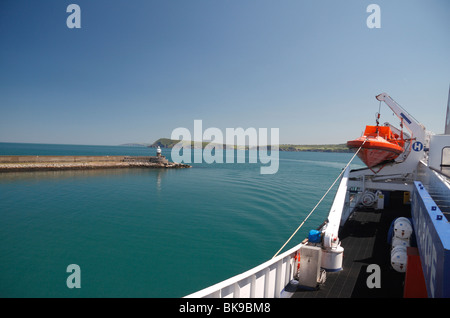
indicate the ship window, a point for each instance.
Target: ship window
{"x":445,"y":157}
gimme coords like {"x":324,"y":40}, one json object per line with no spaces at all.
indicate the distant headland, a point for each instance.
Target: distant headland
{"x":170,"y":143}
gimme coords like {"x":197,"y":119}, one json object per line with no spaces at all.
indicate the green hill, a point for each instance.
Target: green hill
{"x":169,"y":143}
{"x":321,"y":148}
{"x":164,"y":143}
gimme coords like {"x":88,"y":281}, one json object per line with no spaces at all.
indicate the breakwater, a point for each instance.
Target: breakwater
{"x":45,"y":163}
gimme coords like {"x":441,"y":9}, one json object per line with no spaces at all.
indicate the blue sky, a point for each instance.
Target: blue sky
{"x":136,"y":70}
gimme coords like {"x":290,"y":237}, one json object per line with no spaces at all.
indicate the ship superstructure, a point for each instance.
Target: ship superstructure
{"x":392,"y":217}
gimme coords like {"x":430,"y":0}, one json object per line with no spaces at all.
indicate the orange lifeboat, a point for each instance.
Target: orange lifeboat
{"x":381,"y":145}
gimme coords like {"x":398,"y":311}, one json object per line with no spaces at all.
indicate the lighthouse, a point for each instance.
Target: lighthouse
{"x":159,"y":158}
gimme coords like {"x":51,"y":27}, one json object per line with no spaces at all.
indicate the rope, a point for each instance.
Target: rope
{"x":378,"y":115}
{"x":342,"y":172}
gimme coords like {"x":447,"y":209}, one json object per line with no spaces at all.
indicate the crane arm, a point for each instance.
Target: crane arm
{"x":416,"y":128}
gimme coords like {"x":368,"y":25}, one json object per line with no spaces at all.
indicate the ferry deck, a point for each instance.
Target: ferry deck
{"x":364,"y":238}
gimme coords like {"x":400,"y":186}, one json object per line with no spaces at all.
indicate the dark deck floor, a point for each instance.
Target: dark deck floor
{"x":364,"y":239}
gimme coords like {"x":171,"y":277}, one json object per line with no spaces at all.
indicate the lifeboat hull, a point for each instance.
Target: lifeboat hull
{"x":375,"y":150}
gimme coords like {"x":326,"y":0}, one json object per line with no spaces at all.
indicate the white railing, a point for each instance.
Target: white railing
{"x":263,"y":281}
{"x":270,"y":278}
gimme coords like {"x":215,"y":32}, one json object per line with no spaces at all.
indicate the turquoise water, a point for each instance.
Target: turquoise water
{"x":151,"y":232}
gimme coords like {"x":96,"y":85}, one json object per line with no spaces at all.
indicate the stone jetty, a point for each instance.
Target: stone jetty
{"x":49,"y":163}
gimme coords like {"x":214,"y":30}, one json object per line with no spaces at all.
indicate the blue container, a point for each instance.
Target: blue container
{"x":314,"y":236}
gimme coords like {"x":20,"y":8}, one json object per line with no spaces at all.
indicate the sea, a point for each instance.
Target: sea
{"x":157,"y":233}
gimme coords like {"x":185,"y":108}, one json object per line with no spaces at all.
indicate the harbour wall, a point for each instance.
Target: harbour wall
{"x":63,"y":159}
{"x":45,"y":163}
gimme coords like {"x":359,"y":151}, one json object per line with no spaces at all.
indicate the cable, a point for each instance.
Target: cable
{"x":343,"y":170}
